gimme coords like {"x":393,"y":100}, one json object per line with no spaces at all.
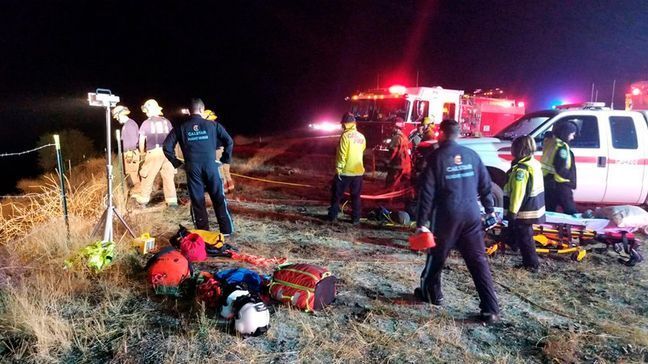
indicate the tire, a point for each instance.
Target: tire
{"x":498,"y":195}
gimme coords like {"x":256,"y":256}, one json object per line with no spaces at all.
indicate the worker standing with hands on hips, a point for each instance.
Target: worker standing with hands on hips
{"x":449,"y":186}
{"x":559,"y":168}
{"x":152,"y":133}
{"x":129,"y":140}
{"x":349,"y":169}
{"x":199,"y":138}
{"x":524,"y":203}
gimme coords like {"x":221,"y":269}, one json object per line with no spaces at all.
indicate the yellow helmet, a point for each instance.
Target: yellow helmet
{"x":118,"y":110}
{"x":209,"y":115}
{"x":151,"y":107}
{"x":426,"y":121}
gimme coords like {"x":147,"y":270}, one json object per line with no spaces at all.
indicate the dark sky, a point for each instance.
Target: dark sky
{"x":267,"y":65}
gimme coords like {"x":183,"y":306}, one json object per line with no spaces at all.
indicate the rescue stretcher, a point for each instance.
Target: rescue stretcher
{"x":563,"y":239}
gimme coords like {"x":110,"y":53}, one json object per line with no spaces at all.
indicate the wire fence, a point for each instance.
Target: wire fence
{"x":26,"y":151}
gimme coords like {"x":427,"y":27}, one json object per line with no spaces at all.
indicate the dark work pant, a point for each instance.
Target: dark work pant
{"x":201,"y":176}
{"x":396,"y":176}
{"x":340,"y":185}
{"x":559,"y":195}
{"x":522,"y":236}
{"x":462,"y":231}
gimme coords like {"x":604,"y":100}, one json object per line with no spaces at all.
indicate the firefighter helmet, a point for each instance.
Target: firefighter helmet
{"x":252,"y":318}
{"x":119,"y":110}
{"x":151,"y":107}
{"x":348,"y":118}
{"x":209,"y":115}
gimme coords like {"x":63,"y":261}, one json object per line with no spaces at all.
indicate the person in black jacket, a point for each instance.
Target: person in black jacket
{"x":448,"y":190}
{"x":199,"y":139}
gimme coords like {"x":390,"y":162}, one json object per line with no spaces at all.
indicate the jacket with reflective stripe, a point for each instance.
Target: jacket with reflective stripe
{"x":561,"y":167}
{"x":524,"y":191}
{"x":348,"y":161}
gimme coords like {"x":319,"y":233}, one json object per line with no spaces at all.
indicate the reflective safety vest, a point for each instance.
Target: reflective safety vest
{"x":524,"y":191}
{"x":551,"y":147}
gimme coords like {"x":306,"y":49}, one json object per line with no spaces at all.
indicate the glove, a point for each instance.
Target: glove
{"x":510,"y":217}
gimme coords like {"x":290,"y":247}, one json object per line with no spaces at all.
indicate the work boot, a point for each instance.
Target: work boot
{"x":418,"y":294}
{"x":489,"y":318}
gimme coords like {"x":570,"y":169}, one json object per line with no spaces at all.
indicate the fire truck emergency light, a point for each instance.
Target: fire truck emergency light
{"x":397,"y":90}
{"x":520,"y":104}
{"x":636,"y":91}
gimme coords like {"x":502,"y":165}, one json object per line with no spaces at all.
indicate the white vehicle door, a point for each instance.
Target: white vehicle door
{"x":590,"y":153}
{"x":626,"y":163}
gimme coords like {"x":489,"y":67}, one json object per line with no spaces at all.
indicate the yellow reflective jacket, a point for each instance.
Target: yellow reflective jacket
{"x":348,"y":161}
{"x":524,"y":191}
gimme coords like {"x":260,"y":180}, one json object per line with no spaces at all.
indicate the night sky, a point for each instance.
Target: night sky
{"x":269,"y":65}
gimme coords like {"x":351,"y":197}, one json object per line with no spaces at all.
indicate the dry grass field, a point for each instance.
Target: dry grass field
{"x":592,"y":311}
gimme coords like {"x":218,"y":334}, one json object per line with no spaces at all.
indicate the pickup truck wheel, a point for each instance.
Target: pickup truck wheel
{"x":498,"y":195}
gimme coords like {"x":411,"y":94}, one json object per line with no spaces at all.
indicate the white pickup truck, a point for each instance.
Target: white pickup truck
{"x":611,"y":151}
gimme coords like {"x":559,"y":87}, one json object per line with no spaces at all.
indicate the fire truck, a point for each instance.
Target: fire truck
{"x":481,"y":113}
{"x":637,"y":98}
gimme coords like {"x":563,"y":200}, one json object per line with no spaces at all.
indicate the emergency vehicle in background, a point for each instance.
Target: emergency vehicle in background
{"x":637,"y":97}
{"x":482,"y":113}
{"x":611,"y":150}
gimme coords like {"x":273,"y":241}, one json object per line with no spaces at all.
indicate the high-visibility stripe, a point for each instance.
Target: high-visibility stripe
{"x":292,"y":285}
{"x":301,"y":272}
{"x":531,"y":214}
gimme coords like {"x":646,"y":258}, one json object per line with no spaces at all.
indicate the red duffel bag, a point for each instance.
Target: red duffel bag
{"x":305,"y":286}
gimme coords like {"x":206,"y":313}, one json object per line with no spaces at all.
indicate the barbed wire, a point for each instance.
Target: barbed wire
{"x":27,"y":151}
{"x":29,"y":195}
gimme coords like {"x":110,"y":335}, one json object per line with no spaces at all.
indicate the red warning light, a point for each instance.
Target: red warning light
{"x":636,"y":91}
{"x":520,"y":104}
{"x":397,"y":90}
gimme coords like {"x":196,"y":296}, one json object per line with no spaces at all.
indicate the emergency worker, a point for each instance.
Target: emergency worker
{"x":416,"y":136}
{"x":349,"y":169}
{"x":198,"y":139}
{"x":399,"y":166}
{"x":223,"y":169}
{"x":524,"y":200}
{"x":559,"y":168}
{"x":129,"y":140}
{"x":449,"y":186}
{"x":429,"y":129}
{"x":151,"y":136}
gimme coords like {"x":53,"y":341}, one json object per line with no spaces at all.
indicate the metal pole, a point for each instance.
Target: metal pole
{"x":613,"y":87}
{"x":108,"y":228}
{"x":592,"y":93}
{"x":122,"y":167}
{"x":59,"y":162}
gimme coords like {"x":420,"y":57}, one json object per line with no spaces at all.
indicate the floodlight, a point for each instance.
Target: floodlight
{"x":104,"y":98}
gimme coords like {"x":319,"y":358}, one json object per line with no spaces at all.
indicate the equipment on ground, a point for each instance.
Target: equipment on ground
{"x":192,"y":247}
{"x":241,"y":277}
{"x":252,"y":316}
{"x":305,"y":286}
{"x":95,"y":256}
{"x":167,"y":271}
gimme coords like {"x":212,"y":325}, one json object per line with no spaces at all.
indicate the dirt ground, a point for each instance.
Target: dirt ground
{"x":590,"y":311}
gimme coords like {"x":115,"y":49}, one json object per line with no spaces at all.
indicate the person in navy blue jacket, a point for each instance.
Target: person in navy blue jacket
{"x":199,"y":139}
{"x":448,"y":190}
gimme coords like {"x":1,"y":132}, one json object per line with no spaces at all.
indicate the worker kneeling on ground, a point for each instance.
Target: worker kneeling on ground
{"x":524,"y":200}
{"x":559,"y":168}
{"x":198,"y":139}
{"x":454,"y":176}
{"x":349,"y":169}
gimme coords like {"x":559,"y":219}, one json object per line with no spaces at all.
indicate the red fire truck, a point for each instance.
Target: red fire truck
{"x":482,"y":113}
{"x":637,"y":98}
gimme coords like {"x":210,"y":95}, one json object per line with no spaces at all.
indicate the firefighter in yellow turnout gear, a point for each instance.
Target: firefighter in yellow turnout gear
{"x":524,"y":202}
{"x":559,"y":168}
{"x":349,"y":169}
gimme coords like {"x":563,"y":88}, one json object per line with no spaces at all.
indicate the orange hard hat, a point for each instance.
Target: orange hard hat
{"x":421,"y":241}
